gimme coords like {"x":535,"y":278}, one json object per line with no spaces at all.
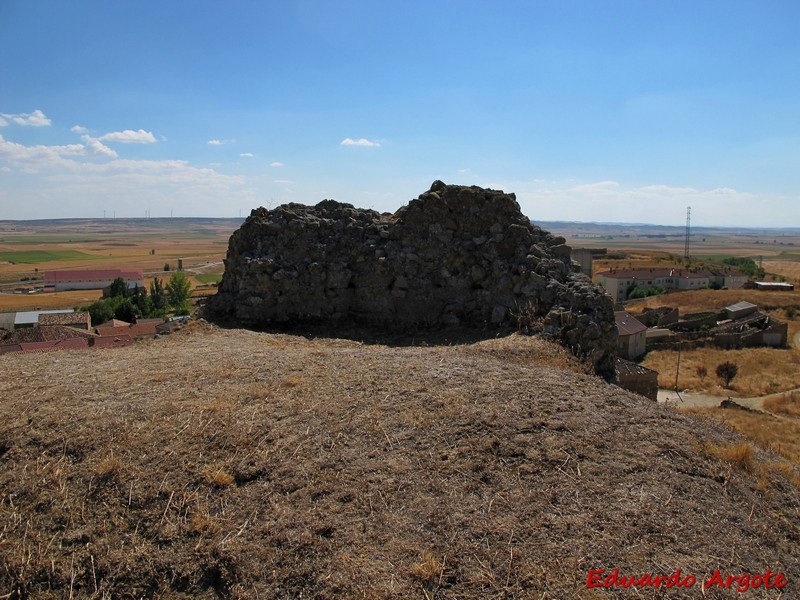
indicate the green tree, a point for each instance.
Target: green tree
{"x":142,"y":301}
{"x":118,"y":288}
{"x":126,"y":311}
{"x":158,"y":298}
{"x":101,"y":311}
{"x":178,"y":290}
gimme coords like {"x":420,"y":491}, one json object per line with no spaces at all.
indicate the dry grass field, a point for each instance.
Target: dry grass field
{"x":29,"y":248}
{"x":694,"y":301}
{"x":223,"y":463}
{"x":761,"y":370}
{"x":777,"y":430}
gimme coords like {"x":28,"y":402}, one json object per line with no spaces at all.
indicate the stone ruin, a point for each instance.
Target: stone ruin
{"x":456,"y":256}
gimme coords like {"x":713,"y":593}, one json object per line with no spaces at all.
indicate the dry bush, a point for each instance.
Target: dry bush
{"x":292,"y":381}
{"x":785,"y":404}
{"x":260,"y":391}
{"x":739,"y":455}
{"x":202,"y":522}
{"x":108,"y":467}
{"x":218,"y":477}
{"x":429,"y":569}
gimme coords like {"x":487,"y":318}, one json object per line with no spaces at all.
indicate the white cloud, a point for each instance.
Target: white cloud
{"x":215,"y":142}
{"x":78,"y":129}
{"x":277,"y":164}
{"x":247,"y":155}
{"x":659,"y":204}
{"x":96,"y":147}
{"x":3,"y":122}
{"x":73,"y":180}
{"x":363,"y":142}
{"x":129,"y":136}
{"x":283,"y":181}
{"x":35,"y":119}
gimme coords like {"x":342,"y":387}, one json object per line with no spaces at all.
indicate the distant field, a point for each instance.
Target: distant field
{"x":147,"y":244}
{"x":30,"y":257}
{"x":71,"y":299}
{"x":789,"y":268}
{"x":209,"y":277}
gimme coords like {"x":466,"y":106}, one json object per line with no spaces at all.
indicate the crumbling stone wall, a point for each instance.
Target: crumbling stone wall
{"x":457,"y":255}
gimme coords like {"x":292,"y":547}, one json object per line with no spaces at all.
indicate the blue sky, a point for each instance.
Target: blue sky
{"x":623,"y":111}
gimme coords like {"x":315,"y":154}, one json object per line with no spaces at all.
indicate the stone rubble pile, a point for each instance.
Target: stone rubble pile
{"x":457,"y":255}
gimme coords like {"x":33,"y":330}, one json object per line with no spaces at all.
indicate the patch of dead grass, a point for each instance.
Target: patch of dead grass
{"x":778,"y":435}
{"x":218,"y":477}
{"x":785,"y":404}
{"x":429,"y":569}
{"x":108,"y":467}
{"x":739,"y":455}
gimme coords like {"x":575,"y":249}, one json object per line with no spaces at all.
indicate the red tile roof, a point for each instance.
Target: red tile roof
{"x":115,"y":341}
{"x":44,"y":333}
{"x":79,"y":318}
{"x":136,"y":330}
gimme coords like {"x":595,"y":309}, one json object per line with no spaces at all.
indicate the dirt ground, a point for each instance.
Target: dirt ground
{"x":223,"y":463}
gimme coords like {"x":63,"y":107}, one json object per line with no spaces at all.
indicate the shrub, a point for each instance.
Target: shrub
{"x":702,"y":372}
{"x":726,"y":372}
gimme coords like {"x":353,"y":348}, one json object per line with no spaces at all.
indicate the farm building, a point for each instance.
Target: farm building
{"x":619,"y":283}
{"x":91,"y":280}
{"x":637,"y":379}
{"x":739,"y":310}
{"x":774,"y":286}
{"x":632,"y":335}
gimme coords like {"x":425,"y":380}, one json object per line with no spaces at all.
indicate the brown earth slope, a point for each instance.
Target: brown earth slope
{"x":235,"y":464}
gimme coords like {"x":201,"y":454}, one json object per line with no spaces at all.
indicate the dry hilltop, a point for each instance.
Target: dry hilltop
{"x":226,"y":463}
{"x":412,"y":463}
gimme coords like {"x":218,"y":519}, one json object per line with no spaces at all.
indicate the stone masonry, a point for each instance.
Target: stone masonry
{"x":457,"y":255}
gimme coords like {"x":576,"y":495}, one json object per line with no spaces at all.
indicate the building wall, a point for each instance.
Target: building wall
{"x":645,"y":384}
{"x":62,"y":286}
{"x":694,"y":283}
{"x":583,"y":256}
{"x":734,"y":282}
{"x":632,"y":346}
{"x":7,"y":321}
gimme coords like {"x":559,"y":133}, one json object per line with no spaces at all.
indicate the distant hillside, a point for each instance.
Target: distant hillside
{"x":235,"y":464}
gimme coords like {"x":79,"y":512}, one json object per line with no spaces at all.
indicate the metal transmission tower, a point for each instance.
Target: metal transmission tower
{"x":688,"y":229}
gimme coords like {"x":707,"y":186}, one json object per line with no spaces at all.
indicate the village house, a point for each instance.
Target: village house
{"x":619,"y":283}
{"x":632,"y":341}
